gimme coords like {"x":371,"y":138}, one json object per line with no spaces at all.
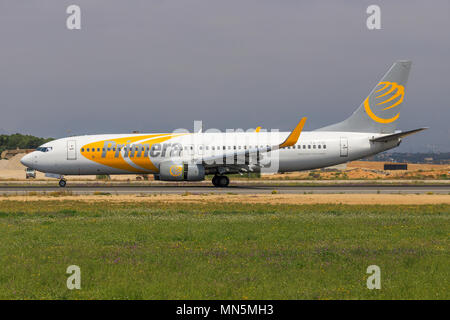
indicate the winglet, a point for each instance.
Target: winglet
{"x":295,"y":134}
{"x":258,"y":129}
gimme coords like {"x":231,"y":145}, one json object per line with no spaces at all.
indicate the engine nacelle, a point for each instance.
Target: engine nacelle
{"x":171,"y":171}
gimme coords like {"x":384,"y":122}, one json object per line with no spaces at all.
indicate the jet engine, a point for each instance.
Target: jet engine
{"x":173,"y":171}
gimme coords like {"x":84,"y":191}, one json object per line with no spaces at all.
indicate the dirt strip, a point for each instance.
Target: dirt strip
{"x":379,"y":199}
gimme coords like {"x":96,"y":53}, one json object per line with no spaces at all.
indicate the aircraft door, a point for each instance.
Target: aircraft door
{"x":71,"y":150}
{"x":344,"y":147}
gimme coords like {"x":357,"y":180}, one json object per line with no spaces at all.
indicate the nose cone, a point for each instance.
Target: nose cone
{"x":26,"y":160}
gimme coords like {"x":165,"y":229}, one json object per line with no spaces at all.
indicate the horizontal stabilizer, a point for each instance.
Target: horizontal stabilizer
{"x":397,"y":135}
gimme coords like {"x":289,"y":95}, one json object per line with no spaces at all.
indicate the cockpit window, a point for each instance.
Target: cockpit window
{"x":44,"y":149}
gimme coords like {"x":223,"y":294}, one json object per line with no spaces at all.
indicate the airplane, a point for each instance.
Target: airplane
{"x":184,"y":156}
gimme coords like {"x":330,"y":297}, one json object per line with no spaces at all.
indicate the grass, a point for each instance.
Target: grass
{"x":222,"y":250}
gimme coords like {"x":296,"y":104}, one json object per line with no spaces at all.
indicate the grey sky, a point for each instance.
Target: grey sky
{"x":159,"y":65}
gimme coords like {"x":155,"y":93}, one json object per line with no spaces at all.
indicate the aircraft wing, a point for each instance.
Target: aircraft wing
{"x":242,"y":158}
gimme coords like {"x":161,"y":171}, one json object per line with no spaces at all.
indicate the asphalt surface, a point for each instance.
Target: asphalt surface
{"x":234,"y":189}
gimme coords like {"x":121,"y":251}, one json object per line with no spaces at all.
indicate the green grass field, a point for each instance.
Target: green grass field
{"x":222,"y":251}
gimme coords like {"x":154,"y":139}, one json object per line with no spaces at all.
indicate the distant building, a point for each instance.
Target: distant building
{"x":395,"y":166}
{"x":428,"y":160}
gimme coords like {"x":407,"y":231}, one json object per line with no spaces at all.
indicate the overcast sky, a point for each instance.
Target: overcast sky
{"x":158,"y":65}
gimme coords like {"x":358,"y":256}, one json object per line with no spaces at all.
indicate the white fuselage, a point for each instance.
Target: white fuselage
{"x":143,"y":153}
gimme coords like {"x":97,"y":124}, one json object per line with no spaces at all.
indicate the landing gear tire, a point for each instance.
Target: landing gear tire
{"x":214,"y":181}
{"x":62,"y":183}
{"x":220,"y":181}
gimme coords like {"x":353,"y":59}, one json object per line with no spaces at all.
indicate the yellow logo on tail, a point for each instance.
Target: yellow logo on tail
{"x":390,"y":95}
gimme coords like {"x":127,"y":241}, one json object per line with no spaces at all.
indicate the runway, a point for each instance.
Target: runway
{"x":232,"y":189}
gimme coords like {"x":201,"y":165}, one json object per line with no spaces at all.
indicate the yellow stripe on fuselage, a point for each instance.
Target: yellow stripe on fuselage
{"x":119,"y":162}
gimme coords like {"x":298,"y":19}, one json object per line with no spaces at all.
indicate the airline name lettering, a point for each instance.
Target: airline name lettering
{"x":139,"y":150}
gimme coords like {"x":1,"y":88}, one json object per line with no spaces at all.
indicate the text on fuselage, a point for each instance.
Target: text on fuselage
{"x":141,"y":150}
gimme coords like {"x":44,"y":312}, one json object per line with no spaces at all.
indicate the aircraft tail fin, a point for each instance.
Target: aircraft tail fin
{"x":380,"y":110}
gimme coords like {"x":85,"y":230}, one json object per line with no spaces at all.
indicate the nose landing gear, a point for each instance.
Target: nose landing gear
{"x":220,"y":181}
{"x":62,"y":183}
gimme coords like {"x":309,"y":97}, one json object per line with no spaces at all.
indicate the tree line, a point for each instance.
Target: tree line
{"x":21,"y":141}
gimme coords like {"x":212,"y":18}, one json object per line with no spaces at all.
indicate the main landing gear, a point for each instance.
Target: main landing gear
{"x":62,"y":183}
{"x":220,"y":181}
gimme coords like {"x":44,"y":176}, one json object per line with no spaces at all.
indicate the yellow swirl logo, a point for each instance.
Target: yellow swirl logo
{"x":390,"y":95}
{"x":175,"y":170}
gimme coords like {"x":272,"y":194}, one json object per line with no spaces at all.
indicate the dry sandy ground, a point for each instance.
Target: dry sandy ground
{"x":378,"y":165}
{"x":13,"y":170}
{"x":372,"y":170}
{"x":380,"y":199}
{"x":19,"y":175}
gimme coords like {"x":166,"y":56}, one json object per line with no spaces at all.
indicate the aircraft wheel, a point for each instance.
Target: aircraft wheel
{"x":214,"y":181}
{"x":62,"y":183}
{"x":223,"y":181}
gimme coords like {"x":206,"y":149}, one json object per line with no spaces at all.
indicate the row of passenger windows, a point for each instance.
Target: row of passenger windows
{"x":98,"y":149}
{"x":304,"y":146}
{"x":92,"y":149}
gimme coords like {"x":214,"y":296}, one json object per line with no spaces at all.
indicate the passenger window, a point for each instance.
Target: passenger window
{"x":309,"y":146}
{"x":324,"y":146}
{"x":82,"y":149}
{"x":314,"y":146}
{"x":319,"y":146}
